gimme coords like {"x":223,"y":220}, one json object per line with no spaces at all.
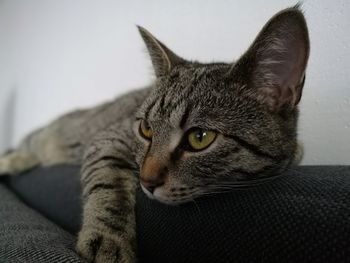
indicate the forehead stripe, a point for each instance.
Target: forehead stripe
{"x":149,"y":108}
{"x":161,"y":104}
{"x":184,"y":117}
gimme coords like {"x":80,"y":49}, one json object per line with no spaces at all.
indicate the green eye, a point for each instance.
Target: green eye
{"x":200,"y":139}
{"x":145,"y":130}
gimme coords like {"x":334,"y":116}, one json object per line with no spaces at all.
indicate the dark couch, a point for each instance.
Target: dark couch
{"x":302,"y":216}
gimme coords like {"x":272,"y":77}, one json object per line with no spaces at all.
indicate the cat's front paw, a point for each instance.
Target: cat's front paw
{"x":98,"y":247}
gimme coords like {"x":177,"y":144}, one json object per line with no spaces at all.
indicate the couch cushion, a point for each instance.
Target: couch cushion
{"x":302,"y":216}
{"x":26,"y":236}
{"x":53,"y":191}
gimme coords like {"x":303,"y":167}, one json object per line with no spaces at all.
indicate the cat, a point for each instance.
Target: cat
{"x":198,"y":128}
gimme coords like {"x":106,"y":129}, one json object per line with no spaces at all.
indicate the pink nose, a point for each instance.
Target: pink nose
{"x":153,"y":173}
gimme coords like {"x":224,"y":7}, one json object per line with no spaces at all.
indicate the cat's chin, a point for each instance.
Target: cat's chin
{"x":157,"y":196}
{"x":170,"y":201}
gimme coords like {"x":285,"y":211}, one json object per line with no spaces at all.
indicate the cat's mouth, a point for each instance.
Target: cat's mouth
{"x":164,"y":197}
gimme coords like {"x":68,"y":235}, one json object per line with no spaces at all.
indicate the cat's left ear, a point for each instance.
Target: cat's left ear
{"x":163,"y":59}
{"x":276,"y":61}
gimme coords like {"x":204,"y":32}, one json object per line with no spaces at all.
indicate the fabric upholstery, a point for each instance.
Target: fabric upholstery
{"x":26,"y":236}
{"x":52,"y":191}
{"x":302,"y":216}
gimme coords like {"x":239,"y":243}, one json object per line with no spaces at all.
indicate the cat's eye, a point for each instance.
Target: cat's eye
{"x":200,"y":139}
{"x":145,"y":130}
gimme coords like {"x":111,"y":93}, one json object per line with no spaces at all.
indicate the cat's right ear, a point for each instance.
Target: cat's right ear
{"x":163,"y":59}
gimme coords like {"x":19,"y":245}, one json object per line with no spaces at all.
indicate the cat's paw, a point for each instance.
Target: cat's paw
{"x":16,"y":162}
{"x":98,"y":247}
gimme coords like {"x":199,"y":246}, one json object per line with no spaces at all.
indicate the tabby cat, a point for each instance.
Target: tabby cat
{"x":199,"y":127}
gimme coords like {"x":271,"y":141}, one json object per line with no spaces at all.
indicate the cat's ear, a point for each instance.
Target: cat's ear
{"x":163,"y":59}
{"x":277,"y":59}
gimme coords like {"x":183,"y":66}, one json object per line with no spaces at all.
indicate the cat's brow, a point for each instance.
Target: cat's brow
{"x":184,"y":117}
{"x":175,"y":139}
{"x":149,"y":108}
{"x":139,"y":115}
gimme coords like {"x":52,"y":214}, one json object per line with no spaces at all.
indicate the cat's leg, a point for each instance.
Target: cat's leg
{"x":109,"y":182}
{"x":17,"y":161}
{"x":47,"y":146}
{"x":22,"y":158}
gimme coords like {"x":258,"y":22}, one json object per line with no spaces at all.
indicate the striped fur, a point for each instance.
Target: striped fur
{"x":250,"y":104}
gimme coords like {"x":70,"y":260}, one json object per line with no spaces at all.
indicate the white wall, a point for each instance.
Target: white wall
{"x":60,"y":55}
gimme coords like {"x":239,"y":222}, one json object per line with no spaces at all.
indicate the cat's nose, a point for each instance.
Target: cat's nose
{"x":153,"y":173}
{"x":151,"y":185}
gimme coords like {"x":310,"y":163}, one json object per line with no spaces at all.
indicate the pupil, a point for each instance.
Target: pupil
{"x":200,"y":135}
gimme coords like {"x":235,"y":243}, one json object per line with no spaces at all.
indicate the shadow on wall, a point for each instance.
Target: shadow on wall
{"x":7,"y":119}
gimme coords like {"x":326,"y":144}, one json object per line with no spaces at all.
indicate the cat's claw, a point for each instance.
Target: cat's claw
{"x":98,"y":247}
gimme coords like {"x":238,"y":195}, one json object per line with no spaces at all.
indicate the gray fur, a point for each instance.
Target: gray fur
{"x":251,"y":104}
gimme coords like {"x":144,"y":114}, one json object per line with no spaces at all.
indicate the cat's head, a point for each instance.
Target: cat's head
{"x":208,"y":127}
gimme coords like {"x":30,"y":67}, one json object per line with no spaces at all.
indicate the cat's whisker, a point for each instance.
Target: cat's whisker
{"x":216,"y":192}
{"x":294,"y":170}
{"x":229,"y":186}
{"x":285,"y":169}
